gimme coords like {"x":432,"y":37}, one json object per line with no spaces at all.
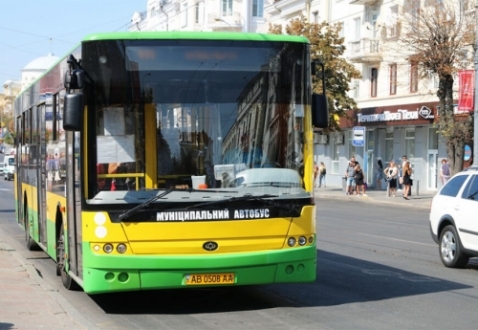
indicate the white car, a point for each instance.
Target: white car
{"x":454,"y":220}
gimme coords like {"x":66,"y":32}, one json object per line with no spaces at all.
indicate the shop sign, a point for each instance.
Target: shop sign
{"x":401,"y":114}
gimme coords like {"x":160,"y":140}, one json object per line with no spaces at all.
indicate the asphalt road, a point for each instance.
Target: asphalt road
{"x":378,"y":268}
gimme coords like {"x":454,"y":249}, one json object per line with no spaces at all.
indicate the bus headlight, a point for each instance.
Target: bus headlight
{"x":108,"y":248}
{"x":302,"y":240}
{"x":121,"y":248}
{"x":291,"y":241}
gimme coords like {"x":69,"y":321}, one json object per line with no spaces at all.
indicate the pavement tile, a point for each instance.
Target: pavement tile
{"x":26,"y":300}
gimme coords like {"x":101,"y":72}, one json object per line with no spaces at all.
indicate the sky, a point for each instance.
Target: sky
{"x":34,"y":28}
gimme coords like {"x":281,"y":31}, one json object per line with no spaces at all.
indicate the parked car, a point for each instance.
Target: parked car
{"x":1,"y":168}
{"x":8,"y":167}
{"x":453,"y":222}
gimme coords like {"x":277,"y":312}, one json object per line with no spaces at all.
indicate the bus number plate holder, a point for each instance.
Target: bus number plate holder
{"x":210,"y":279}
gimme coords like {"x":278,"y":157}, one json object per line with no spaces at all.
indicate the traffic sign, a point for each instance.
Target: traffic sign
{"x":358,"y":139}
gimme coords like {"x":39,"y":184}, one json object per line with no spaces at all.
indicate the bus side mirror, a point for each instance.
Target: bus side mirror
{"x":72,"y":111}
{"x":74,"y":79}
{"x":320,"y":111}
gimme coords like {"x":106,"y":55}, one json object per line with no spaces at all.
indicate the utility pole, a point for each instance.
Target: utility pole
{"x":475,"y":104}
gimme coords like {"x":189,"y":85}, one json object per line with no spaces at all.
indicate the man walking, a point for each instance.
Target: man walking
{"x":349,"y":174}
{"x":445,"y":171}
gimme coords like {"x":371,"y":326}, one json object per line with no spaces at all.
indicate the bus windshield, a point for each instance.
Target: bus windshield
{"x":202,"y":114}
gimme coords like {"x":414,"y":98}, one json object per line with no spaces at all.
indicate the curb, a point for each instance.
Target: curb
{"x":371,"y":199}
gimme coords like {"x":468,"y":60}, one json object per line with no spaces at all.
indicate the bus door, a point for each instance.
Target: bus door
{"x":41,"y":173}
{"x":72,"y":191}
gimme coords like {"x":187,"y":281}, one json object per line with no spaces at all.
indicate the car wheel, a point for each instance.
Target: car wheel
{"x":450,"y":249}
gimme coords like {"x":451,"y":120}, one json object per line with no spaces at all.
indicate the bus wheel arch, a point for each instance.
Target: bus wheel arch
{"x":30,"y":243}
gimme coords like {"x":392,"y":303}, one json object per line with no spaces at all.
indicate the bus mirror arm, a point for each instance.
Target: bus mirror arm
{"x":74,"y":77}
{"x":320,"y":108}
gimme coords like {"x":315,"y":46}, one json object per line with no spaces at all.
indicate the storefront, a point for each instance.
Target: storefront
{"x":390,"y":133}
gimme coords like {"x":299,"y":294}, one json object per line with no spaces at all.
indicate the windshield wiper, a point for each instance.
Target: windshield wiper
{"x":472,"y":196}
{"x":153,"y":199}
{"x":249,"y":197}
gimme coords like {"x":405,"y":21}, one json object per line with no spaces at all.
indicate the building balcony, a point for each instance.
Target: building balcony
{"x":363,"y":2}
{"x":366,"y":50}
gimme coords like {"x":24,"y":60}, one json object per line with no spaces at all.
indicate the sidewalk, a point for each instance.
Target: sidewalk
{"x":377,"y":196}
{"x":26,"y":300}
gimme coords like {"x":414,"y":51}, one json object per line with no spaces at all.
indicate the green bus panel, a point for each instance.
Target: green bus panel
{"x":108,"y":273}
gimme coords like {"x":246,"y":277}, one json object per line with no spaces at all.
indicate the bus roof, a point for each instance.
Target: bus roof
{"x":168,"y":35}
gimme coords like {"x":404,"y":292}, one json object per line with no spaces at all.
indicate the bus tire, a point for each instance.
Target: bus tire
{"x":66,"y":280}
{"x":31,"y":245}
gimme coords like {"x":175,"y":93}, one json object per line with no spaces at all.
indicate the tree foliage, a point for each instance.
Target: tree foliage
{"x":438,"y":34}
{"x":327,"y":47}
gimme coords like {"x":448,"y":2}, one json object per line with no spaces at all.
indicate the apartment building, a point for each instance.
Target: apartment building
{"x":397,"y":103}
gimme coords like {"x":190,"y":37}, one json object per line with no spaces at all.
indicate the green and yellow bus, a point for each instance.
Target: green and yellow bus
{"x":151,"y":160}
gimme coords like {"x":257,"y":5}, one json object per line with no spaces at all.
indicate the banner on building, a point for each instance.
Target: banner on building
{"x":466,"y":90}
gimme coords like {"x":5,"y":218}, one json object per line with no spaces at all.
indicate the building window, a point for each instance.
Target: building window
{"x":433,"y":138}
{"x":415,"y":15}
{"x":358,"y":26}
{"x":393,"y":79}
{"x":196,"y":13}
{"x":341,"y":29}
{"x":389,"y":145}
{"x":392,"y":20}
{"x":356,"y":88}
{"x":410,"y":143}
{"x":258,"y":8}
{"x":315,"y":16}
{"x":226,"y":7}
{"x":373,"y":82}
{"x":413,"y":77}
{"x":184,"y":15}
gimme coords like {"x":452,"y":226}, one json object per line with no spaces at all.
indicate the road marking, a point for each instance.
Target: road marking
{"x":399,"y":240}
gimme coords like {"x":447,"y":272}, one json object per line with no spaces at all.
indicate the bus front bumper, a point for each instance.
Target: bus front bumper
{"x":108,"y":273}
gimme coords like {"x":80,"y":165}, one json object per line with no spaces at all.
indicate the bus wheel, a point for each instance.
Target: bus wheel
{"x":66,"y":280}
{"x":31,"y":245}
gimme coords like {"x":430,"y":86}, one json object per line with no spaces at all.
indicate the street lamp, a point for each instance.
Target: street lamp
{"x":218,"y":19}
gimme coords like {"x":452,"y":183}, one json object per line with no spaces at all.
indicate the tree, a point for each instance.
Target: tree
{"x":438,"y":34}
{"x":328,"y":47}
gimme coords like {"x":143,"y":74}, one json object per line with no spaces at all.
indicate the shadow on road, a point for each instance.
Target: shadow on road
{"x":340,"y":280}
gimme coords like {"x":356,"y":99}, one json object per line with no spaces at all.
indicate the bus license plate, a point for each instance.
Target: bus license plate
{"x":208,"y":279}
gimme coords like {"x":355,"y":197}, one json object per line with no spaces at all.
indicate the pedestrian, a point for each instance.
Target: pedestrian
{"x":359,"y":180}
{"x":316,"y":171}
{"x":444,"y":171}
{"x":379,"y":174}
{"x":391,"y":174}
{"x":406,"y":179}
{"x":400,"y":176}
{"x":349,"y":176}
{"x":322,"y":173}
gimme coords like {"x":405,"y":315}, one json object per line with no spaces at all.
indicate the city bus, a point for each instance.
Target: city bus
{"x":154,"y":160}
